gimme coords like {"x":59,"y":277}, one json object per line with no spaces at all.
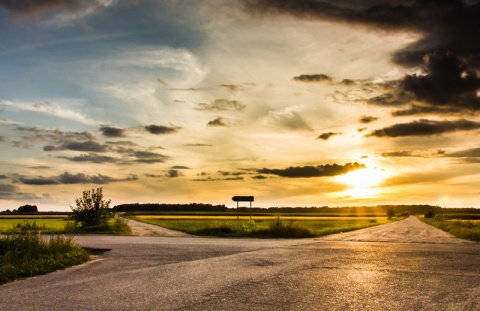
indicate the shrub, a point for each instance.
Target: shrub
{"x":286,"y":229}
{"x":429,"y":214}
{"x":91,"y":211}
{"x":390,"y":213}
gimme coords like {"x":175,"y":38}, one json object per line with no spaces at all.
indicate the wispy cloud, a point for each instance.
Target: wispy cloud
{"x":55,"y":109}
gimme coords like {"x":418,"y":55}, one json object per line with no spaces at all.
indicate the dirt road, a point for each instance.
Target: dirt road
{"x":410,"y":230}
{"x":142,"y":229}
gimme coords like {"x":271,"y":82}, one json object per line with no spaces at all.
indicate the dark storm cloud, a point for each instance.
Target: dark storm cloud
{"x":219,"y":105}
{"x":112,"y":131}
{"x":217,"y":122}
{"x":91,"y":146}
{"x":367,"y":119}
{"x":448,"y":82}
{"x":312,"y":78}
{"x":161,"y":129}
{"x":37,"y":8}
{"x":67,"y":178}
{"x":448,"y":47}
{"x":326,"y":136}
{"x":425,"y":128}
{"x":313,"y":171}
{"x":446,"y":25}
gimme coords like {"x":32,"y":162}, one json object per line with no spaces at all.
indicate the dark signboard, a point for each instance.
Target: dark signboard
{"x":239,"y":198}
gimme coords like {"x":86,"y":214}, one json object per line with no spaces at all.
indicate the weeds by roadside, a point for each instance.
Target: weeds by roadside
{"x":463,"y":229}
{"x":24,"y":252}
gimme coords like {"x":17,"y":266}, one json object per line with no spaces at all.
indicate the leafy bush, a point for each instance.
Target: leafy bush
{"x":91,"y":211}
{"x":429,"y":214}
{"x":286,"y":229}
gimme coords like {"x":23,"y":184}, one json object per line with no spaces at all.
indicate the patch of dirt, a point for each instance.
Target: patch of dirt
{"x":142,"y":229}
{"x":409,"y":230}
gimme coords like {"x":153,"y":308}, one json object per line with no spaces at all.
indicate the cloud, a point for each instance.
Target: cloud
{"x":37,"y":134}
{"x":313,"y":171}
{"x":149,"y":157}
{"x":173,"y":173}
{"x":66,"y":9}
{"x":395,"y":154}
{"x":367,"y":119}
{"x":259,"y":177}
{"x":442,"y":25}
{"x":425,"y":128}
{"x":67,"y":178}
{"x":91,"y":157}
{"x":217,"y":122}
{"x":3,"y":138}
{"x":10,"y":192}
{"x":289,"y":118}
{"x":161,"y":129}
{"x":112,"y":131}
{"x":312,"y":78}
{"x":53,"y":109}
{"x":91,"y":146}
{"x":326,"y":136}
{"x":220,"y":105}
{"x":180,"y":167}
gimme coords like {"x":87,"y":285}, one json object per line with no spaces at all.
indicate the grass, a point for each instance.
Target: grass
{"x":263,"y":228}
{"x":26,"y":253}
{"x":463,"y":229}
{"x":116,"y":225}
{"x":47,"y":225}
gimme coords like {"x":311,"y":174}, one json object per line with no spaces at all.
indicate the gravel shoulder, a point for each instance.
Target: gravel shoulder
{"x":142,"y":229}
{"x":409,"y":230}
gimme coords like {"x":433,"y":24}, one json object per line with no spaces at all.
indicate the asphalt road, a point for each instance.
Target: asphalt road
{"x":190,"y":273}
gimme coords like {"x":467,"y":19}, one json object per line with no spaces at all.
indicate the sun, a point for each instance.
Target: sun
{"x":362,"y":182}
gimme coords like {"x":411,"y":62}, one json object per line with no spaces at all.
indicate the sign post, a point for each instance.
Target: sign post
{"x":239,"y":198}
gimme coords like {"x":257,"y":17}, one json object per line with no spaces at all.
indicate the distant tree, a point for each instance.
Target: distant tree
{"x":429,"y":214}
{"x":28,"y":209}
{"x":390,"y":213}
{"x":91,"y":209}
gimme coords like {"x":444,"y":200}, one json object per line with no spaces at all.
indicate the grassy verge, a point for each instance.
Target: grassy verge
{"x":463,"y":229}
{"x":276,"y":228}
{"x":27,"y":254}
{"x":116,"y":225}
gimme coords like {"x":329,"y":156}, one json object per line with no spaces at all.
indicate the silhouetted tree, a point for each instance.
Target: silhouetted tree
{"x":28,"y":209}
{"x":91,"y":209}
{"x":390,"y":213}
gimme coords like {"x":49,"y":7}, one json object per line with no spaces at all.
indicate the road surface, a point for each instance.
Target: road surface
{"x":338,"y":272}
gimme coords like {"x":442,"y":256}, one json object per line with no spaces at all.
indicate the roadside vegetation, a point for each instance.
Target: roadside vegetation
{"x":24,"y":253}
{"x":279,"y":227}
{"x":463,"y":226}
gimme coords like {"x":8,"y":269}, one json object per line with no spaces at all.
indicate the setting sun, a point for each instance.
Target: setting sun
{"x":362,"y":182}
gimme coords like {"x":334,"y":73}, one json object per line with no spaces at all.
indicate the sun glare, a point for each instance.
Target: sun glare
{"x":362,"y":182}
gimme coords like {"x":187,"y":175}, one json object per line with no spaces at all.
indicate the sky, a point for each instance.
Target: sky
{"x":297,"y":103}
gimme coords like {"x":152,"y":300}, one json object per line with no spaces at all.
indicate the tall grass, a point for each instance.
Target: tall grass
{"x":277,"y":228}
{"x":26,"y":253}
{"x":469,"y":230}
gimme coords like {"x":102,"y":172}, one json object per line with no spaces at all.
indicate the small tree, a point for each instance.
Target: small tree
{"x":92,"y":210}
{"x":390,"y":213}
{"x":28,"y":209}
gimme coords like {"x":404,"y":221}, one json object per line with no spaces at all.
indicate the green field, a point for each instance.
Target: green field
{"x":260,"y":227}
{"x":463,"y":229}
{"x":50,"y":225}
